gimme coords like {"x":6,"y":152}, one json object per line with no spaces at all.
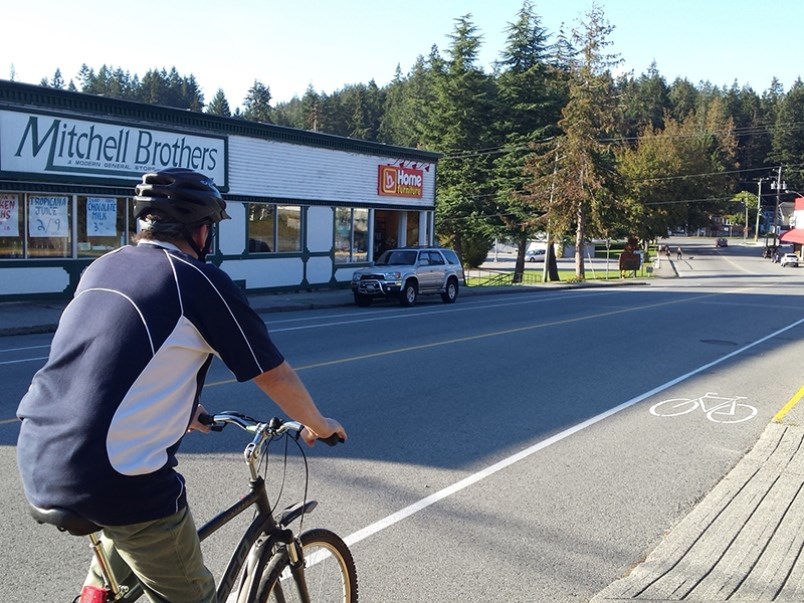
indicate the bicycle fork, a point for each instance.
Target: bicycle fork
{"x":296,"y":562}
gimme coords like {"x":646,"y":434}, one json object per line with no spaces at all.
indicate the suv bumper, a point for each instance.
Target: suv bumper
{"x":377,"y":287}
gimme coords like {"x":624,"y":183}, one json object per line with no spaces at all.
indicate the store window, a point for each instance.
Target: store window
{"x":274,"y":228}
{"x":12,"y":227}
{"x":101,"y":225}
{"x":288,"y":228}
{"x":351,"y":235}
{"x":49,"y":226}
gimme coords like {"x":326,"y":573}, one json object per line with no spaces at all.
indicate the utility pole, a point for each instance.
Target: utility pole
{"x":759,"y":210}
{"x":778,"y":185}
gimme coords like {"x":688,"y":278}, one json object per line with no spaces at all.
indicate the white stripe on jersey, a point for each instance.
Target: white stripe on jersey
{"x":155,"y":412}
{"x":228,"y":308}
{"x":133,"y":305}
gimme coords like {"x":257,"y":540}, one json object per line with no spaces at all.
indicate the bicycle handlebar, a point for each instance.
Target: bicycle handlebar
{"x":274,"y":427}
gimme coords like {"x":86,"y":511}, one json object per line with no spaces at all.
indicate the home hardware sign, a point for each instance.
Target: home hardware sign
{"x":47,"y":144}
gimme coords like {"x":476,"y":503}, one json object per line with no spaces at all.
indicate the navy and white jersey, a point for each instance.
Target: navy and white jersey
{"x":103,"y":419}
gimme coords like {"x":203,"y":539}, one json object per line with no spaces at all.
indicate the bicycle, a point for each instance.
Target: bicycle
{"x":269,"y":555}
{"x":726,"y":410}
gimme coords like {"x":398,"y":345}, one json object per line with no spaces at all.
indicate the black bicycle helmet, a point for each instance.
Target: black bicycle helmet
{"x":182,"y":194}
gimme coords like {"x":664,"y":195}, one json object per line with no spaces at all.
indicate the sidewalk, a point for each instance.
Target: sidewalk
{"x":27,"y":317}
{"x":743,"y":542}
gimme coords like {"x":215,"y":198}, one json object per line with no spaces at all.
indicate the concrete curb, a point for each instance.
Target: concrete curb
{"x":42,"y":317}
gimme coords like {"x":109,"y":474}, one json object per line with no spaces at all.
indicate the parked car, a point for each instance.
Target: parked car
{"x":789,"y":259}
{"x":535,"y":255}
{"x":408,"y":272}
{"x":721,"y":242}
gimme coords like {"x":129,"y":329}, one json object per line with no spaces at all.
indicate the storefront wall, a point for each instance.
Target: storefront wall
{"x":303,"y":213}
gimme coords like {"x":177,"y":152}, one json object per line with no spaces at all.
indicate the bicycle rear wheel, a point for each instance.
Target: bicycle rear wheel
{"x":329,"y":572}
{"x":674,"y":407}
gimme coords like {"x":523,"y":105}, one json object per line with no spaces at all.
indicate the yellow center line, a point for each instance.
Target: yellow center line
{"x":475,"y":338}
{"x":777,"y":418}
{"x":468,"y":338}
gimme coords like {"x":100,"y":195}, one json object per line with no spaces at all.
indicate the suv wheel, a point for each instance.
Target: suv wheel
{"x":407,"y":296}
{"x":451,"y":294}
{"x":362,"y":300}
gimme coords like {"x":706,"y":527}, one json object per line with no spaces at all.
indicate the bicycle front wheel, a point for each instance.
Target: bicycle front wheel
{"x":736,"y":413}
{"x":329,"y":573}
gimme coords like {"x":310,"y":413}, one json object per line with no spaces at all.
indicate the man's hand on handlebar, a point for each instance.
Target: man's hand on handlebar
{"x":195,"y":424}
{"x":333,"y":433}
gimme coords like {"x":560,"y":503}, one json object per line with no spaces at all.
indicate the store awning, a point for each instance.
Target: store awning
{"x":794,"y":235}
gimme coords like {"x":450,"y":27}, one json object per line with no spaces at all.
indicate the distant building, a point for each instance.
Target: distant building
{"x":796,"y":221}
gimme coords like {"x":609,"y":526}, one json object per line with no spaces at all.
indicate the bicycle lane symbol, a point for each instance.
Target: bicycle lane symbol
{"x":720,"y":409}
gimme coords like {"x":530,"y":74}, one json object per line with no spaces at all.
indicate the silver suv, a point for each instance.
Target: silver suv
{"x":407,"y":273}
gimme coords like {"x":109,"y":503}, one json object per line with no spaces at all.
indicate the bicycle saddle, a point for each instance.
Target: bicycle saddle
{"x":65,"y":520}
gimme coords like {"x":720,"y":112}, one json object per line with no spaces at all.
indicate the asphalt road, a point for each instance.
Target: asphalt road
{"x":502,"y":448}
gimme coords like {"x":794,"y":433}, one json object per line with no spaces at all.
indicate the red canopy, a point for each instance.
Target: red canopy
{"x":794,"y":235}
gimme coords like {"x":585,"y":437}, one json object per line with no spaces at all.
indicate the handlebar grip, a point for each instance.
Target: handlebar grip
{"x":332,"y":440}
{"x":206,"y":419}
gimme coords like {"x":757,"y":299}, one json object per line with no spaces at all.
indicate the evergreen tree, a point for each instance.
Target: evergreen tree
{"x":311,"y":109}
{"x":683,"y":97}
{"x":57,"y":81}
{"x":408,"y":103}
{"x":529,"y":100}
{"x":751,"y":128}
{"x":160,"y":87}
{"x":154,"y":88}
{"x":192,"y":97}
{"x":289,"y":114}
{"x":643,"y":102}
{"x":787,"y":140}
{"x":393,"y":123}
{"x":219,"y":105}
{"x":458,"y":126}
{"x":257,"y":104}
{"x":586,"y":188}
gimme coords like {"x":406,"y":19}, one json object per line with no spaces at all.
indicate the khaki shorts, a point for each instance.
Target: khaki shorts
{"x":164,"y":555}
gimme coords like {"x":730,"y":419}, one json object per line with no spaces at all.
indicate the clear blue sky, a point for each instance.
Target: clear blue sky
{"x":292,"y":44}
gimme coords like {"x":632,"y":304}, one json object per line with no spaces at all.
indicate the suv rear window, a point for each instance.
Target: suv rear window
{"x":451,"y":257}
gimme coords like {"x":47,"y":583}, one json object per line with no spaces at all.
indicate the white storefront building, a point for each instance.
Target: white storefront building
{"x":307,"y":208}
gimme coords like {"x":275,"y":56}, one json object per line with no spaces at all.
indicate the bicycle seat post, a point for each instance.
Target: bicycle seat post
{"x":105,"y":568}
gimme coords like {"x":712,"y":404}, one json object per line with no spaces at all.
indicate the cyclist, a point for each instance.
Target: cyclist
{"x":103,"y":419}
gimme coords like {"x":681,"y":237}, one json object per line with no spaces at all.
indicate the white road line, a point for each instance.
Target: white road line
{"x":273,"y":328}
{"x":33,"y":347}
{"x":422,"y":504}
{"x":4,"y":362}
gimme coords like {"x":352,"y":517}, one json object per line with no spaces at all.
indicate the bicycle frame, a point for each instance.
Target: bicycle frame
{"x":262,"y":524}
{"x":263,"y":535}
{"x":720,"y":402}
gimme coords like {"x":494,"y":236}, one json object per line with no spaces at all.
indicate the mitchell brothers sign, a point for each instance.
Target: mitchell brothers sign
{"x":47,"y":144}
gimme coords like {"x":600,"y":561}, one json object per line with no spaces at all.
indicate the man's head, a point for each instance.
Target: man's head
{"x":175,"y":204}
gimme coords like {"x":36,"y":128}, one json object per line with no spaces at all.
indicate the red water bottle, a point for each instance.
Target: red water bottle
{"x":94,"y":594}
